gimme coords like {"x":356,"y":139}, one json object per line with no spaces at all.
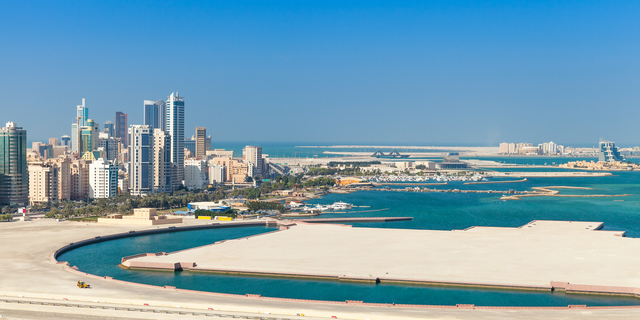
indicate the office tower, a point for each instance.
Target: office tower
{"x":89,"y":137}
{"x":103,"y":179}
{"x":149,"y":114}
{"x":79,"y":179}
{"x":141,"y":160}
{"x":175,"y":128}
{"x":154,"y":114}
{"x":65,"y":141}
{"x":190,"y":145}
{"x":609,"y":152}
{"x":43,"y":183}
{"x":121,"y":128}
{"x":82,"y":115}
{"x":201,"y":142}
{"x":110,"y":129}
{"x":44,"y":150}
{"x":53,"y":141}
{"x":161,"y":161}
{"x":14,"y":175}
{"x":195,"y":173}
{"x":161,"y":114}
{"x":253,"y":155}
{"x":109,"y":145}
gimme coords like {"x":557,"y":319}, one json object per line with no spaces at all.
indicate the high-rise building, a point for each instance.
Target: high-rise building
{"x":195,"y":173}
{"x":154,"y":114}
{"x":253,"y":155}
{"x":89,"y":137}
{"x":121,"y":128}
{"x":175,"y":128}
{"x":191,"y":145}
{"x":103,"y":179}
{"x":79,"y":179}
{"x":141,"y":160}
{"x":14,"y":175}
{"x":82,"y":115}
{"x":43,"y":183}
{"x":109,"y":145}
{"x":609,"y":152}
{"x":63,"y":164}
{"x":110,"y":129}
{"x":53,"y":141}
{"x":217,"y":174}
{"x":161,"y":161}
{"x":65,"y":141}
{"x":201,"y":142}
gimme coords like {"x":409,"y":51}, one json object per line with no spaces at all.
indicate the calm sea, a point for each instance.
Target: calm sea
{"x":434,"y":211}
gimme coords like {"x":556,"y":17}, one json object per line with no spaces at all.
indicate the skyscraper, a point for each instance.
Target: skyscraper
{"x":175,"y":128}
{"x":88,"y":137}
{"x":253,"y":155}
{"x":110,"y":129}
{"x":162,"y":161}
{"x":121,"y":128}
{"x":141,"y":160}
{"x":201,"y":139}
{"x":82,"y":115}
{"x":65,"y":141}
{"x":154,"y":114}
{"x":103,"y":179}
{"x":14,"y":176}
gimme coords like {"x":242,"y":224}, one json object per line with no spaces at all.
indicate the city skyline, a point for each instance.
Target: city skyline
{"x":483,"y":73}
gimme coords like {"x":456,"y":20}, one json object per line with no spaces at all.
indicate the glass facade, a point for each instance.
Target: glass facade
{"x":14,"y":175}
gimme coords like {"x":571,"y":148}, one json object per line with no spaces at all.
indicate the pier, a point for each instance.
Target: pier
{"x":349,"y":220}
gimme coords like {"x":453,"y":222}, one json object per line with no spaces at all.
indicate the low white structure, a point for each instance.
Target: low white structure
{"x":141,"y":216}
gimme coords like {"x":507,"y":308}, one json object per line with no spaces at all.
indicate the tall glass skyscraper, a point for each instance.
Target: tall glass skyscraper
{"x":82,"y":115}
{"x":14,"y":175}
{"x":121,"y":128}
{"x":175,"y":128}
{"x":154,"y":114}
{"x":110,"y":129}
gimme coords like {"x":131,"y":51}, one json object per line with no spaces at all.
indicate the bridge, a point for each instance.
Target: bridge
{"x":392,"y":155}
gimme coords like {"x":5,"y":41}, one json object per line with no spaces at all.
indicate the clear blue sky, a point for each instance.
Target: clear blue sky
{"x":446,"y":72}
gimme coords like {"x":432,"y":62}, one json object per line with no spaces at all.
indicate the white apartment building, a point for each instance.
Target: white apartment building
{"x":195,"y":173}
{"x":253,"y":155}
{"x":217,"y":173}
{"x":103,"y":179}
{"x":161,"y":161}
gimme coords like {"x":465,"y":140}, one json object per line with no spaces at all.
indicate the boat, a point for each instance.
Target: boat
{"x":321,"y":208}
{"x":340,"y":206}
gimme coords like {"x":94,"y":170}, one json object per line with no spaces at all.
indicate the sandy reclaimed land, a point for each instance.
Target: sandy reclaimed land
{"x":31,"y":278}
{"x":533,"y":255}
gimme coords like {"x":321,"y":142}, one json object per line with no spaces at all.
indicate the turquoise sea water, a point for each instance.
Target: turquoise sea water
{"x":435,"y":211}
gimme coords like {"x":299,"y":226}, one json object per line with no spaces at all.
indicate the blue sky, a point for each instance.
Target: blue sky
{"x":429,"y":72}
